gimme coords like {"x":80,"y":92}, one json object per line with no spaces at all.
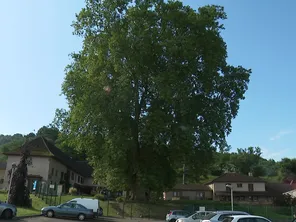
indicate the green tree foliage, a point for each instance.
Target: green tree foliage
{"x":248,"y":161}
{"x":150,"y":90}
{"x":287,"y":167}
{"x":63,"y":141}
{"x":19,"y":194}
{"x":49,"y":132}
{"x":10,"y":142}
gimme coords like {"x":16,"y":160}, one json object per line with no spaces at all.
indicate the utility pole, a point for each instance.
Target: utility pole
{"x":184,"y":173}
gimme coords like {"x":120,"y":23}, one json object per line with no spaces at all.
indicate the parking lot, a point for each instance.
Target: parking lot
{"x":103,"y":219}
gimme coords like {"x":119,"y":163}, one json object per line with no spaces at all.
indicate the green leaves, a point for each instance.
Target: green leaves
{"x":150,"y":90}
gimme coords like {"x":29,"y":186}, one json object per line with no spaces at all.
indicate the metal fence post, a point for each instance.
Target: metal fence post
{"x":149,"y":211}
{"x":123,"y":209}
{"x":131,"y":210}
{"x":108,"y":208}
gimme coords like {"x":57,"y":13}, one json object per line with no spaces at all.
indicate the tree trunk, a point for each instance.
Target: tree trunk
{"x":134,"y":187}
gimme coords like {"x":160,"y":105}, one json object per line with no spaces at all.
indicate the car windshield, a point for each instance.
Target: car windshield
{"x":209,"y":216}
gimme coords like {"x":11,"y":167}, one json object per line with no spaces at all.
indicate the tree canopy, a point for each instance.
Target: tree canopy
{"x":150,"y":90}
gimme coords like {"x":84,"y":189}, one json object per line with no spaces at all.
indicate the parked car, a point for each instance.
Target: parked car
{"x":196,"y":217}
{"x":173,"y":215}
{"x":245,"y":218}
{"x":7,"y":211}
{"x":218,"y":216}
{"x":69,"y":210}
{"x":89,"y":203}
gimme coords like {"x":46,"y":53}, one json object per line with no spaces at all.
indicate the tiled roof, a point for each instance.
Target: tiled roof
{"x":85,"y":167}
{"x":278,"y":187}
{"x":191,"y":187}
{"x":42,"y":147}
{"x":235,"y":177}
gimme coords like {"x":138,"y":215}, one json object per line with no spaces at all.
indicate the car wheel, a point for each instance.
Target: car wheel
{"x":49,"y":213}
{"x":172,"y":220}
{"x":81,"y":217}
{"x":7,"y":214}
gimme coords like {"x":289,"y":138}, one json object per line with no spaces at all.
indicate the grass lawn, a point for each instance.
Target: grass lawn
{"x":36,"y":202}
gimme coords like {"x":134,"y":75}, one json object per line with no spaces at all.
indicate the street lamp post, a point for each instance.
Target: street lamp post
{"x":11,"y":176}
{"x":231,"y":195}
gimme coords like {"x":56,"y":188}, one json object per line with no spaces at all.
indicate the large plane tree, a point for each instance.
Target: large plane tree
{"x":150,"y":90}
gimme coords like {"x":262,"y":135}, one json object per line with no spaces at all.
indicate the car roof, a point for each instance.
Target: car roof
{"x":248,"y":216}
{"x":229,"y":211}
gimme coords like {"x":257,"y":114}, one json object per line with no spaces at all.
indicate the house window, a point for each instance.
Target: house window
{"x":62,"y":175}
{"x":239,"y":185}
{"x":1,"y":181}
{"x":82,"y":180}
{"x":52,"y":171}
{"x":251,"y":187}
{"x":176,"y":194}
{"x":255,"y":198}
{"x":72,"y":176}
{"x":78,"y":179}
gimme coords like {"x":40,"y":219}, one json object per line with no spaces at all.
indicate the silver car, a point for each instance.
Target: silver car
{"x":173,"y":215}
{"x":218,"y":216}
{"x":7,"y":211}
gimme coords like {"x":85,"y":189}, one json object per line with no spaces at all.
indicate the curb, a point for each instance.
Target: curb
{"x":22,"y":217}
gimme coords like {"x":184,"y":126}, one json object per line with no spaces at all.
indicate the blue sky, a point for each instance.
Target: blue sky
{"x":36,"y":39}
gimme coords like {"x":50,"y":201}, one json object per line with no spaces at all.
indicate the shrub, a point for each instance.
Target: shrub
{"x":100,"y":197}
{"x":72,"y":191}
{"x":120,"y":199}
{"x":93,"y":193}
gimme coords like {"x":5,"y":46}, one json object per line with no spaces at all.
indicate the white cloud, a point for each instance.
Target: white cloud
{"x":280,"y":134}
{"x":276,"y":155}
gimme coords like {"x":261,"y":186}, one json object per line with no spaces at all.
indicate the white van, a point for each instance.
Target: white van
{"x":89,"y":203}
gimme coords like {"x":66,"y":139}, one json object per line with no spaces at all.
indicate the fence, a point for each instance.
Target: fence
{"x":159,"y":210}
{"x":49,"y":193}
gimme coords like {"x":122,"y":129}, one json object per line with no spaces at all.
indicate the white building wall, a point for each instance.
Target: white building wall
{"x":55,"y":170}
{"x":40,"y":166}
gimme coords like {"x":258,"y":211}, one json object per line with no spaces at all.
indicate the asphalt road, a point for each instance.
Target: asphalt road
{"x":104,"y":219}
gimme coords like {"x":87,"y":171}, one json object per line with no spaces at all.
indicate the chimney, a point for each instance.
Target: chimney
{"x":250,"y":174}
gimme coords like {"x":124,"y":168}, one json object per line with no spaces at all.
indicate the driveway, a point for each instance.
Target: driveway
{"x":103,"y":219}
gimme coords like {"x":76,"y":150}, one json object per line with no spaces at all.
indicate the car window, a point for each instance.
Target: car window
{"x":209,"y":216}
{"x":199,"y":215}
{"x":175,"y":213}
{"x":223,"y":216}
{"x":79,"y":206}
{"x":260,"y":220}
{"x":227,"y":219}
{"x":66,"y":206}
{"x":247,"y":220}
